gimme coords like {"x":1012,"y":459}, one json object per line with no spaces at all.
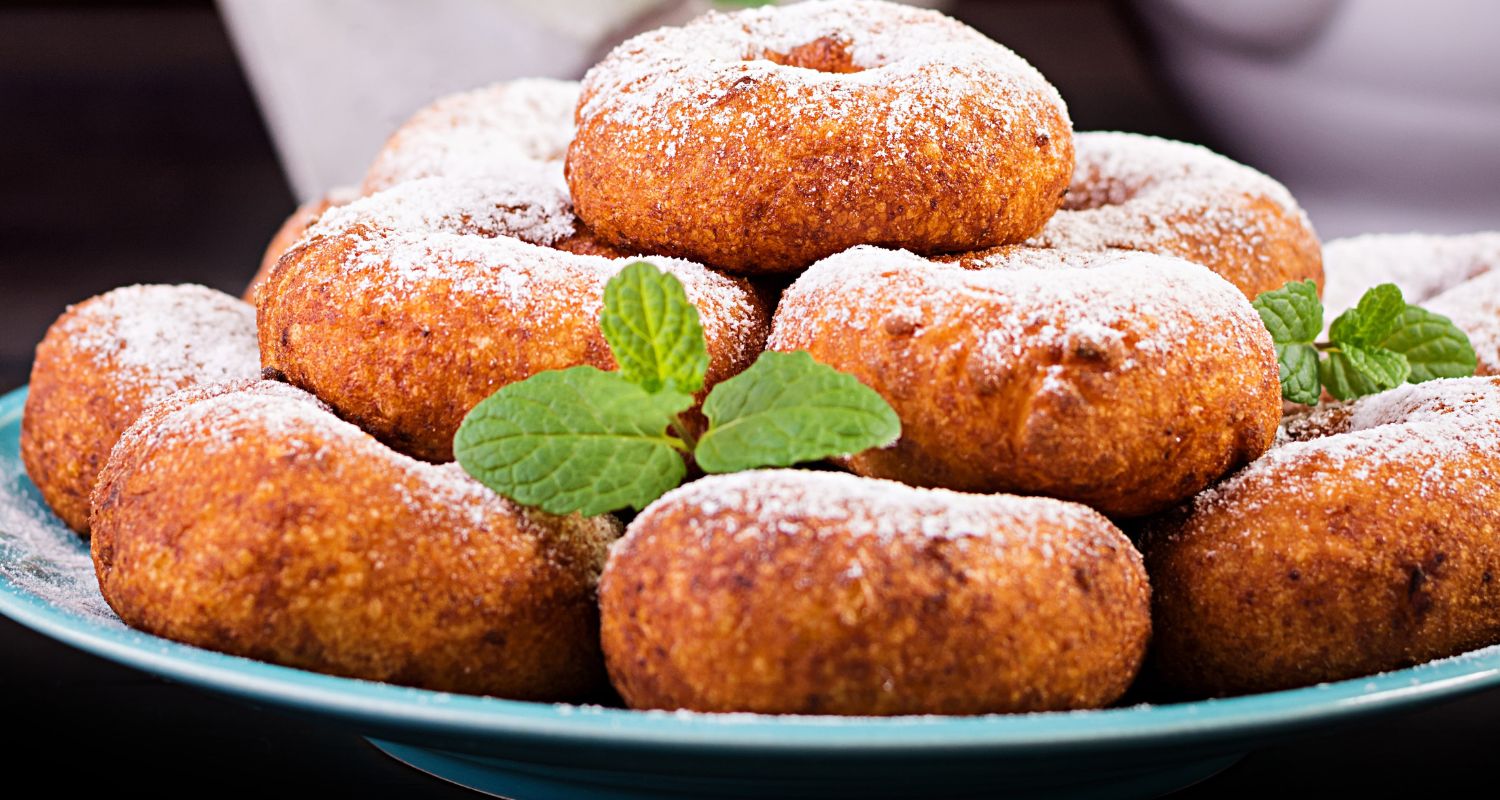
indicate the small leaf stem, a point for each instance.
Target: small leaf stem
{"x":687,"y":437}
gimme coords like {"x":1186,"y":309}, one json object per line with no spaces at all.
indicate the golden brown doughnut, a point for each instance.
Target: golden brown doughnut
{"x":107,"y":359}
{"x":793,"y":592}
{"x":291,"y":232}
{"x":1127,"y":381}
{"x":493,"y":130}
{"x":763,"y":140}
{"x":1369,"y":540}
{"x":405,"y":309}
{"x":1134,"y":192}
{"x":1456,"y":276}
{"x":250,"y":520}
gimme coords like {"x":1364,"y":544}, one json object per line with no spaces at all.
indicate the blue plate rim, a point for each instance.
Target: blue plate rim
{"x":394,"y":707}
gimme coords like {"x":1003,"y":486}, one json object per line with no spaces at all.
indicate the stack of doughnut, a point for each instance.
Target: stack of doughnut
{"x":1061,"y":321}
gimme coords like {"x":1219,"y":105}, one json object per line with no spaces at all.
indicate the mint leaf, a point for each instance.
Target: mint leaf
{"x":786,"y":409}
{"x":578,"y":439}
{"x":1433,"y":346}
{"x":1353,"y":371}
{"x":1377,"y":314}
{"x":653,"y":330}
{"x":1298,"y":364}
{"x":1293,"y":314}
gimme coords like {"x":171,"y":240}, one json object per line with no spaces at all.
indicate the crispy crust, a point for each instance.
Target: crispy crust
{"x":1134,"y":192}
{"x":1342,"y":556}
{"x":1126,"y":381}
{"x":751,"y":599}
{"x":291,"y":231}
{"x":407,"y":361}
{"x":83,"y":394}
{"x":249,"y":520}
{"x":742,"y":163}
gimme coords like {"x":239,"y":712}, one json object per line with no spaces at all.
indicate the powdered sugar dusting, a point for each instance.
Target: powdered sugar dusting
{"x":40,"y":555}
{"x":215,"y":421}
{"x":1422,"y":265}
{"x":1135,"y":192}
{"x":155,"y":339}
{"x":1059,"y":299}
{"x":932,"y":66}
{"x":766,"y":503}
{"x":494,"y":130}
{"x":1434,"y":423}
{"x":451,"y":243}
{"x":1456,"y":276}
{"x":531,"y":203}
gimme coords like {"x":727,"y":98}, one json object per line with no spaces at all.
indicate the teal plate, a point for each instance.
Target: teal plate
{"x":537,"y":750}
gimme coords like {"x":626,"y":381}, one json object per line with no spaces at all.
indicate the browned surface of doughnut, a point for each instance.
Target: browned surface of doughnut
{"x":105,"y":361}
{"x":823,"y":593}
{"x":1134,"y":192}
{"x":249,"y":520}
{"x":751,"y":158}
{"x":291,"y":232}
{"x":1365,"y":545}
{"x":1126,"y":381}
{"x":404,"y":343}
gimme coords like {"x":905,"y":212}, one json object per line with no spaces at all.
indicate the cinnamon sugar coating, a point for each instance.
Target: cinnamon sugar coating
{"x":250,"y":520}
{"x":106,"y":360}
{"x":791,"y":592}
{"x":1367,"y":540}
{"x":405,"y":309}
{"x":1134,"y":192}
{"x":763,"y":140}
{"x":1126,"y":381}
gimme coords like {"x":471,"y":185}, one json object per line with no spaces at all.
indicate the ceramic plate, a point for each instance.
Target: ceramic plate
{"x":537,"y":750}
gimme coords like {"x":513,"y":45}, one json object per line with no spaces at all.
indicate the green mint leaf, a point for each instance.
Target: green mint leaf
{"x":577,"y":439}
{"x":1353,"y":371}
{"x":787,"y":409}
{"x":1433,"y":346}
{"x":653,"y":330}
{"x":1367,"y":324}
{"x":1293,"y":314}
{"x":1298,"y":364}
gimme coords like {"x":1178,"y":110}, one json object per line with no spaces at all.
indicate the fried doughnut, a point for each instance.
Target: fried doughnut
{"x":1369,"y":540}
{"x":1456,"y":276}
{"x":250,"y":520}
{"x":1127,"y":381}
{"x":1133,"y":192}
{"x":494,"y":130}
{"x":107,"y":359}
{"x":292,"y":231}
{"x":763,"y":140}
{"x":405,"y":309}
{"x":793,"y":592}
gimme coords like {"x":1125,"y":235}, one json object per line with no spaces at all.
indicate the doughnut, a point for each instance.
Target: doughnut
{"x":795,"y":592}
{"x":292,"y":231}
{"x":766,"y":139}
{"x":1133,"y":192}
{"x":107,"y":359}
{"x":1124,"y":380}
{"x":488,"y":131}
{"x":404,"y":309}
{"x":1367,"y":540}
{"x":249,"y":519}
{"x":1456,"y":276}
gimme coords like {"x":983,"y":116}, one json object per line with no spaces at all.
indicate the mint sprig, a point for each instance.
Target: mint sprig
{"x":585,"y":440}
{"x":1377,"y":345}
{"x":786,"y":409}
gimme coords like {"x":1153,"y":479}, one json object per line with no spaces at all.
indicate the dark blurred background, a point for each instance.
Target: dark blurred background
{"x":131,"y":150}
